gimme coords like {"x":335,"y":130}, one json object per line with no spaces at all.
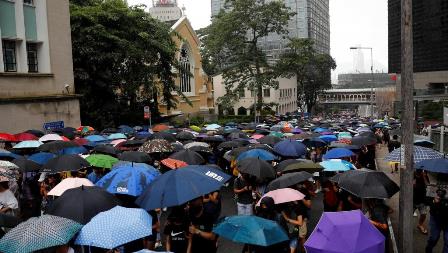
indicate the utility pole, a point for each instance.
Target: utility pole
{"x":406,"y":226}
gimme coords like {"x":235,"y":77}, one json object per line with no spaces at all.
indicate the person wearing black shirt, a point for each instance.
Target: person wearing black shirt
{"x":243,"y":190}
{"x":438,"y":222}
{"x":394,"y":144}
{"x":179,"y":239}
{"x":203,"y":240}
{"x":420,"y":181}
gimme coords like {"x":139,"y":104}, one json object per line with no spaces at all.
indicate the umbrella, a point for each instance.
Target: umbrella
{"x":35,"y":132}
{"x":328,"y":138}
{"x":195,"y":144}
{"x":214,"y":138}
{"x":85,"y":129}
{"x":160,"y":128}
{"x":320,"y":130}
{"x":230,"y":145}
{"x":163,"y":136}
{"x":339,"y":144}
{"x":41,"y":158}
{"x":270,"y":140}
{"x":56,"y":146}
{"x":27,"y":144}
{"x":251,"y":230}
{"x":195,"y":128}
{"x":102,"y":161}
{"x":115,"y":227}
{"x":39,"y":233}
{"x":177,"y":187}
{"x":337,"y":165}
{"x":314,"y":142}
{"x":7,"y":137}
{"x":424,"y":143}
{"x":106,"y":150}
{"x":419,"y":154}
{"x":345,"y":232}
{"x":438,"y":165}
{"x":82,"y":141}
{"x":338,"y":153}
{"x":130,"y":144}
{"x":363,"y":140}
{"x":51,"y":137}
{"x":82,"y":203}
{"x":189,"y":156}
{"x":237,"y":135}
{"x":65,"y":163}
{"x":173,"y":163}
{"x":185,"y":136}
{"x":69,"y":183}
{"x":109,"y":131}
{"x":128,"y":180}
{"x":135,"y":156}
{"x":26,"y":165}
{"x":290,"y":148}
{"x":283,"y":195}
{"x":256,"y":153}
{"x":256,"y":167}
{"x":288,"y":180}
{"x":368,"y":184}
{"x":257,"y":136}
{"x":282,"y":165}
{"x":212,"y":127}
{"x":96,"y":138}
{"x":117,"y":136}
{"x":126,"y":129}
{"x":25,"y":137}
{"x":6,"y":155}
{"x":73,"y":151}
{"x":277,"y":134}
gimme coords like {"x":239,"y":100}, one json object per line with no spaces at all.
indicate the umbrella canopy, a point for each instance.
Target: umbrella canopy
{"x":163,"y":136}
{"x":363,"y":140}
{"x":256,"y":153}
{"x":337,"y":165}
{"x":5,"y":137}
{"x":41,"y":158}
{"x":73,"y":151}
{"x":128,"y":180}
{"x":328,"y":138}
{"x":438,"y":165}
{"x":117,"y":136}
{"x":314,"y":142}
{"x":195,"y":128}
{"x":212,"y":127}
{"x":65,"y":163}
{"x":197,"y":144}
{"x":35,"y":132}
{"x":102,"y":161}
{"x":28,"y":144}
{"x":368,"y":184}
{"x":25,"y":137}
{"x":251,"y":230}
{"x":237,"y":135}
{"x":256,"y":167}
{"x":96,"y":138}
{"x":177,"y":187}
{"x":8,"y":156}
{"x":420,"y":154}
{"x":51,"y":137}
{"x":135,"y":156}
{"x":424,"y":143}
{"x":69,"y":183}
{"x":173,"y":163}
{"x":345,"y":232}
{"x":283,"y":195}
{"x":337,"y":153}
{"x":189,"y":156}
{"x":26,"y":165}
{"x":82,"y":203}
{"x":290,"y":148}
{"x":106,"y":150}
{"x":289,"y":180}
{"x":214,"y":138}
{"x":85,"y":129}
{"x":283,"y":164}
{"x":56,"y":146}
{"x":39,"y":233}
{"x":230,"y":145}
{"x":115,"y":227}
{"x":185,"y":136}
{"x":269,"y":140}
{"x":160,"y":128}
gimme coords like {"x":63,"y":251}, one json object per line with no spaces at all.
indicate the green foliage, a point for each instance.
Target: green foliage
{"x":431,"y":111}
{"x":120,"y":54}
{"x":222,"y":120}
{"x":313,"y":70}
{"x":230,"y":46}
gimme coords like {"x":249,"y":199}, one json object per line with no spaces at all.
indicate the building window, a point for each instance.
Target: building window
{"x":31,"y":49}
{"x":185,"y":74}
{"x":266,"y":93}
{"x":9,"y":55}
{"x":29,"y":2}
{"x":241,"y":93}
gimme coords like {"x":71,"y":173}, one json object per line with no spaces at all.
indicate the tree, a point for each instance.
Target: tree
{"x":231,"y":46}
{"x":313,"y":70}
{"x":121,"y":56}
{"x":384,"y":98}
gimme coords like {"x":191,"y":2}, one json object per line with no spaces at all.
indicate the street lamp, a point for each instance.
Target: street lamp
{"x":371,"y":71}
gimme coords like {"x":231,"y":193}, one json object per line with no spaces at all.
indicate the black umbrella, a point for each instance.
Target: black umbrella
{"x":56,"y":146}
{"x":216,"y":138}
{"x":201,"y":149}
{"x":131,"y":143}
{"x":65,"y":163}
{"x":261,"y":146}
{"x":256,"y":167}
{"x":83,"y":203}
{"x":283,"y":164}
{"x":106,"y":150}
{"x":26,"y":165}
{"x":164,"y":136}
{"x":314,"y":142}
{"x":237,"y":135}
{"x":288,"y":180}
{"x":8,"y":221}
{"x":262,"y":131}
{"x":336,"y":144}
{"x":189,"y":156}
{"x":185,"y":136}
{"x":230,"y":145}
{"x":270,"y":140}
{"x":304,"y":166}
{"x":109,"y":131}
{"x":135,"y":156}
{"x":36,"y":133}
{"x":367,"y":184}
{"x":363,"y":140}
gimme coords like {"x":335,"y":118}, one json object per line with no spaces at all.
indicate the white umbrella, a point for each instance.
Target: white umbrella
{"x":69,"y":183}
{"x":50,"y":137}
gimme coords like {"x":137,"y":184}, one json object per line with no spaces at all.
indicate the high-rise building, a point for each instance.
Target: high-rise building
{"x":312,"y":20}
{"x":165,"y":10}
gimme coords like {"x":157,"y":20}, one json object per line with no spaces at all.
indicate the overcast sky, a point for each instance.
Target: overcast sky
{"x":353,"y":23}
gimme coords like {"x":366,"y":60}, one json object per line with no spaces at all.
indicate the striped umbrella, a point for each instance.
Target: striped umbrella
{"x":420,"y":154}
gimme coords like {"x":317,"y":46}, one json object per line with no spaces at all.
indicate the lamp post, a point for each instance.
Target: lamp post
{"x":371,"y":71}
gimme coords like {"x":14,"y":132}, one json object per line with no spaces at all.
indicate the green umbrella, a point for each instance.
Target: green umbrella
{"x":39,"y":233}
{"x":195,"y":128}
{"x":102,"y":161}
{"x":277,"y":134}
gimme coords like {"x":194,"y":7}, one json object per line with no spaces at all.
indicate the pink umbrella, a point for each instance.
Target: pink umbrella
{"x":283,"y":195}
{"x":69,"y":183}
{"x":116,"y":142}
{"x":257,"y":136}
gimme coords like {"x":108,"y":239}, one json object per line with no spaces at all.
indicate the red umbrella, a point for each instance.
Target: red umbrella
{"x":65,"y":138}
{"x":7,"y":137}
{"x":80,"y":141}
{"x":173,"y":163}
{"x":25,"y":137}
{"x":160,"y":128}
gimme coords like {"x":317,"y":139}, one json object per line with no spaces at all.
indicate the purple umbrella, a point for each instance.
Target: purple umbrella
{"x":297,"y":130}
{"x":345,"y":232}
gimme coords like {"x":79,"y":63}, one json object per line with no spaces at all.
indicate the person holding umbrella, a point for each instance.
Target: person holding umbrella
{"x":203,"y":239}
{"x":178,"y":238}
{"x":378,"y":213}
{"x":421,"y":180}
{"x":438,"y":221}
{"x":243,"y":191}
{"x":294,"y":216}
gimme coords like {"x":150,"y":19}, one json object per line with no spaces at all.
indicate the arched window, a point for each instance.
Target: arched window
{"x":187,"y":71}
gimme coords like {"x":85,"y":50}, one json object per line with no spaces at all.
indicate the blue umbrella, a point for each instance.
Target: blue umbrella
{"x":328,"y":138}
{"x":95,"y":138}
{"x":122,"y":164}
{"x":127,"y":180}
{"x":420,"y":154}
{"x":115,"y":227}
{"x":257,"y":153}
{"x":28,"y":144}
{"x":6,"y":154}
{"x":251,"y":230}
{"x":117,"y":136}
{"x":177,"y":187}
{"x":126,"y":129}
{"x":338,"y":153}
{"x":290,"y":148}
{"x":212,"y":127}
{"x":337,"y":165}
{"x":438,"y":165}
{"x":41,"y":158}
{"x":73,"y":151}
{"x":143,"y":134}
{"x":320,"y":130}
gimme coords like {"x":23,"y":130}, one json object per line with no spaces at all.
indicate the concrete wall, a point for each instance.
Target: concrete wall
{"x":21,"y":116}
{"x":422,"y":79}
